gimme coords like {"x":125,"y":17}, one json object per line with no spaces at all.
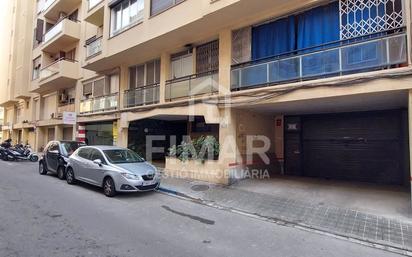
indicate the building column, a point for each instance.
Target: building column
{"x":123,"y":84}
{"x":410,"y":137}
{"x":39,"y":141}
{"x":164,"y":75}
{"x":122,"y":131}
{"x":230,"y":159}
{"x":58,"y":132}
{"x":25,"y":136}
{"x":225,"y":61}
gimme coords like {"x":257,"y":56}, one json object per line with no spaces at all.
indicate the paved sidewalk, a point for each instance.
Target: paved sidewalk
{"x":336,"y":220}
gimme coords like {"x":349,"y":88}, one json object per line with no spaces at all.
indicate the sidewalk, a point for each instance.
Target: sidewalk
{"x":350,"y":223}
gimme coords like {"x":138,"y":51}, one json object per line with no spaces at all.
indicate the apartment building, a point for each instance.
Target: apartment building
{"x":327,"y":82}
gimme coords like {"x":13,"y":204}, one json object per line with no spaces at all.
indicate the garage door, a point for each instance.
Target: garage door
{"x":367,"y":147}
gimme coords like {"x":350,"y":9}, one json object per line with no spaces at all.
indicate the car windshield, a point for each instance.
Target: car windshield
{"x":120,"y":156}
{"x":68,"y":148}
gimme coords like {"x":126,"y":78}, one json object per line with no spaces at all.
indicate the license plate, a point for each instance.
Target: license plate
{"x":148,"y":183}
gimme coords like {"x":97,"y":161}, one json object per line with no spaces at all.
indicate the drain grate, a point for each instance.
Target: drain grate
{"x":200,"y":188}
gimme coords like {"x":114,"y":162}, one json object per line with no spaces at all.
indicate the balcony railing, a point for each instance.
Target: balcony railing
{"x":340,"y":58}
{"x":93,"y":47}
{"x":93,"y":3}
{"x":99,"y":104}
{"x":198,"y":84}
{"x":47,"y":4}
{"x":54,"y":31}
{"x":142,"y":96}
{"x":53,"y":68}
{"x":65,"y":108}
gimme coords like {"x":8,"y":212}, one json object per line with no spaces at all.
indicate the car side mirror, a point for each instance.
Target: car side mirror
{"x":98,"y":162}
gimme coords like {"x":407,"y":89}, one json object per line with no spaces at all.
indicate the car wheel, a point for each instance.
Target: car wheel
{"x":108,"y":187}
{"x":42,"y":169}
{"x":70,"y":176}
{"x":60,"y":173}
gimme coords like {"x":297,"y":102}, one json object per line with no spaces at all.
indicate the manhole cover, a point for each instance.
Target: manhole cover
{"x":199,"y":188}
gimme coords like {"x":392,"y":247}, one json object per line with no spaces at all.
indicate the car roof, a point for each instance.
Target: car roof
{"x":106,"y":147}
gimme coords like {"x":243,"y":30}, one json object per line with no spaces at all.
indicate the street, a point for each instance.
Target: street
{"x":43,"y":216}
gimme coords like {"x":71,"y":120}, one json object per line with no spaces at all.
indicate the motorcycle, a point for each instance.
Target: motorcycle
{"x":18,"y":152}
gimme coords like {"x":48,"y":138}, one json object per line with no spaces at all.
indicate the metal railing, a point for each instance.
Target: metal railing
{"x":142,"y":96}
{"x":53,"y":68}
{"x":99,"y":104}
{"x":338,"y":59}
{"x":94,"y":47}
{"x":197,"y":84}
{"x":93,"y":3}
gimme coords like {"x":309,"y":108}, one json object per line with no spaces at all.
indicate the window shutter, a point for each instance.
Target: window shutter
{"x":88,"y":89}
{"x":39,"y":30}
{"x":98,"y":88}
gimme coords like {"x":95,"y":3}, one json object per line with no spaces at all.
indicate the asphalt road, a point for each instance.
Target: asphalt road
{"x":43,"y":216}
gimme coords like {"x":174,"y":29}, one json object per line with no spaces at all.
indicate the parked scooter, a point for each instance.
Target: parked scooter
{"x":18,"y":152}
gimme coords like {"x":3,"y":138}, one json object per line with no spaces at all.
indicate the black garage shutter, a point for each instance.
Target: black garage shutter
{"x":366,"y":147}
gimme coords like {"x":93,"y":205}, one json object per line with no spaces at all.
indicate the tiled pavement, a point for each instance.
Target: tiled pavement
{"x":331,"y":219}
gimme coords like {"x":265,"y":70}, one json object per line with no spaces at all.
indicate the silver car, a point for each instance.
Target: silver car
{"x":112,"y":168}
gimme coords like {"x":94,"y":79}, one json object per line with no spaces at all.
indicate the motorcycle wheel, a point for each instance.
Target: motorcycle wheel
{"x":34,"y":158}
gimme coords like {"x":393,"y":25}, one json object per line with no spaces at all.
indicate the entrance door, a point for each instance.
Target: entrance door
{"x":366,"y":147}
{"x":293,"y":146}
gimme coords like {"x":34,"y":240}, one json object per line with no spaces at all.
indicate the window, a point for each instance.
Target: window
{"x":121,"y":156}
{"x":84,"y":153}
{"x":241,"y":45}
{"x":53,"y":147}
{"x":125,"y":14}
{"x":158,"y":6}
{"x":96,"y":155}
{"x":182,"y":65}
{"x":36,"y":68}
{"x":144,"y":74}
{"x":98,"y":87}
{"x":207,"y":57}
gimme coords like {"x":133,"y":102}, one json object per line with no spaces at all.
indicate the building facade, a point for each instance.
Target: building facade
{"x":327,"y":83}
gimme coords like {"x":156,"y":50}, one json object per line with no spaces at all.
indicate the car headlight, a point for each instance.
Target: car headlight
{"x":130,"y":176}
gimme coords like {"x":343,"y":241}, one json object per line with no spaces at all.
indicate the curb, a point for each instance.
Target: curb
{"x":373,"y":244}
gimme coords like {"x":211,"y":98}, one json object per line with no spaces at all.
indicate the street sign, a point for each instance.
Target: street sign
{"x":69,"y":118}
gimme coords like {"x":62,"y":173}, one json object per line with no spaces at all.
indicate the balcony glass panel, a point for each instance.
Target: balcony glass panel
{"x":192,"y":85}
{"x":47,"y":4}
{"x":352,"y":57}
{"x":142,"y":96}
{"x":93,"y":3}
{"x":54,"y":31}
{"x":99,"y":104}
{"x":94,"y":47}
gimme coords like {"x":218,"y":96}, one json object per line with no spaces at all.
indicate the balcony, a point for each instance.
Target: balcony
{"x":194,"y":85}
{"x":53,"y":8}
{"x":60,"y":74}
{"x":65,"y":108}
{"x":99,"y":104}
{"x":93,"y":47}
{"x":95,"y":14}
{"x":63,"y":34}
{"x":142,"y":96}
{"x":336,"y":59}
